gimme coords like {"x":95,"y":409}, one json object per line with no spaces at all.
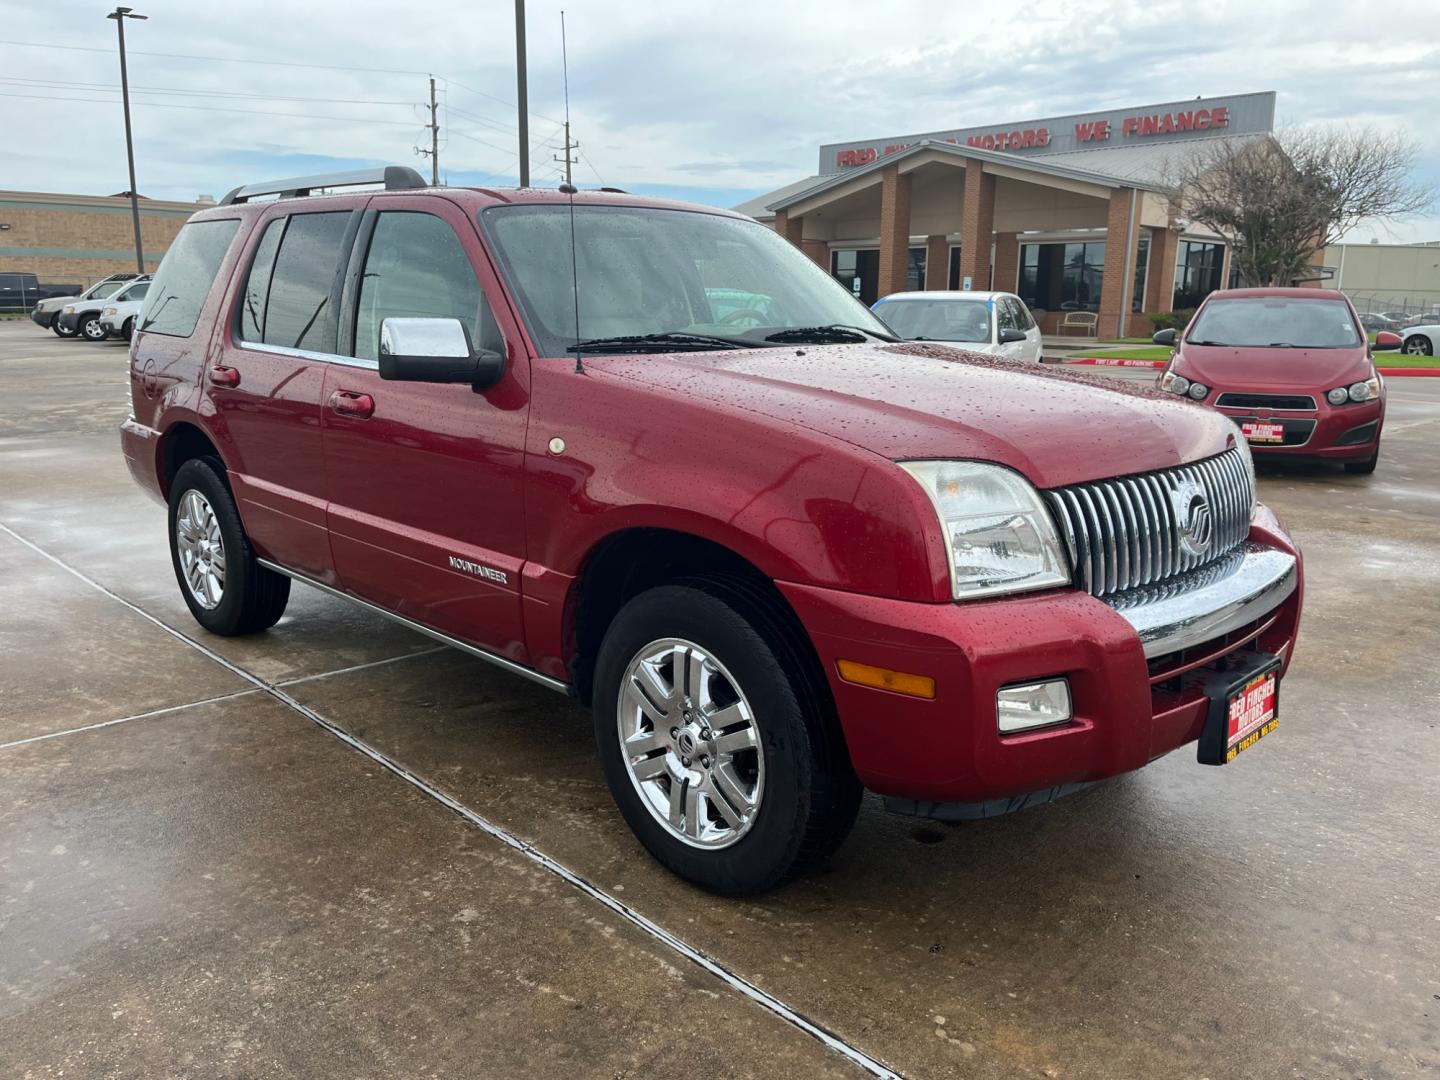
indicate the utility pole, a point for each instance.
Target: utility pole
{"x":567,"y":159}
{"x":434,"y":126}
{"x":522,"y":94}
{"x":120,"y":14}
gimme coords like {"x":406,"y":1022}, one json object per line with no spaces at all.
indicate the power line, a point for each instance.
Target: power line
{"x":216,"y":108}
{"x":218,"y":59}
{"x":56,"y":84}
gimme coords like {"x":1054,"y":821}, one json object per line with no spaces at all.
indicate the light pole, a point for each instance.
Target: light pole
{"x":522,"y":93}
{"x":120,"y":14}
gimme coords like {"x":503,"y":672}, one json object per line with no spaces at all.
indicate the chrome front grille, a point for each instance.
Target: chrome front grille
{"x":1130,"y":531}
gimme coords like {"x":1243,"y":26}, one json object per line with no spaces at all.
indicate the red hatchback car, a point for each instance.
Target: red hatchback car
{"x":1290,"y":366}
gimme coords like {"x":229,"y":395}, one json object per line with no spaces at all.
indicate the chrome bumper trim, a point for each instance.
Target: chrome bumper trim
{"x":1238,"y":589}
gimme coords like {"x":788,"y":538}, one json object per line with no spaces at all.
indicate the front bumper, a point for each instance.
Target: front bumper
{"x":41,"y":318}
{"x":1349,"y":432}
{"x":1133,"y":669}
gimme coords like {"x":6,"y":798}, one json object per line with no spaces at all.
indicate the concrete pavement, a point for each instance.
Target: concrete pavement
{"x":230,"y":888}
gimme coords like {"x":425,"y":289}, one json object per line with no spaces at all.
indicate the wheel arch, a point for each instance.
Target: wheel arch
{"x":182,"y":441}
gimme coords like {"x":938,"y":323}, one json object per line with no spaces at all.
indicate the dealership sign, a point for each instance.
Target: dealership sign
{"x":1241,"y":114}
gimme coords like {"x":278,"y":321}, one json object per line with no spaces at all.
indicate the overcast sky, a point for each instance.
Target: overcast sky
{"x":714,"y":101}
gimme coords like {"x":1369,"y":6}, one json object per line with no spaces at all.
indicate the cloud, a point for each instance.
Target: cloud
{"x":718,"y":101}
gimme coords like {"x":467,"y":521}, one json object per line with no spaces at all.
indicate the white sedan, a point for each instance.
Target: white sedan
{"x":1423,"y":340}
{"x":993,"y":323}
{"x":119,"y":315}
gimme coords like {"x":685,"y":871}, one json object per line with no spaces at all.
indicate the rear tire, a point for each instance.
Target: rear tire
{"x":1363,"y":468}
{"x":226,"y":589}
{"x":736,"y":808}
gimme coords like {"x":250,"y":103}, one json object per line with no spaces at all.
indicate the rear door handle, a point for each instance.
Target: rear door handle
{"x":349,"y":403}
{"x":224,"y":376}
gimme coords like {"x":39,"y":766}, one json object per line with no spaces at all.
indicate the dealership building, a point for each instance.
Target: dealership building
{"x":1072,"y":213}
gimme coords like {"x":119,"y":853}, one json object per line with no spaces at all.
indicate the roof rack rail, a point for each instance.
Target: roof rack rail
{"x":394,"y":177}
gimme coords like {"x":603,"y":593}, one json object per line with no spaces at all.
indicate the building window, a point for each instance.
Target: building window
{"x":1062,"y":277}
{"x":1197,"y":272}
{"x":915,"y":270}
{"x":1142,"y":261}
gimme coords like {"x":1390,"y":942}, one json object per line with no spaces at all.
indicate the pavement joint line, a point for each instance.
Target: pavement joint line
{"x":363,"y":667}
{"x":126,"y":719}
{"x":648,"y":926}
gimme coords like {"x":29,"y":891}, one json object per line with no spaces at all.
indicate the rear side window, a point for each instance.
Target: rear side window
{"x":417,"y":267}
{"x":288,"y":291}
{"x":185,"y":276}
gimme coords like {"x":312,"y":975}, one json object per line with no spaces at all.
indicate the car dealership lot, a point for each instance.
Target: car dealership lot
{"x":223,"y":886}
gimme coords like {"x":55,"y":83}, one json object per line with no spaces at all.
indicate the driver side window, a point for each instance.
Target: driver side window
{"x":416,"y":266}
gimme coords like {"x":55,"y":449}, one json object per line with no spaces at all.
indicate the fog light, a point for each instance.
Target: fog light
{"x":1026,"y":706}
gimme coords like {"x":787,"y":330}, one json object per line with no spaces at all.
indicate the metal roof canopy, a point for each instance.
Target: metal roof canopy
{"x":394,"y":177}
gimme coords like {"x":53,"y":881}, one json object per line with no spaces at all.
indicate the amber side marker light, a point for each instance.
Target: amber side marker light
{"x":921,"y":686}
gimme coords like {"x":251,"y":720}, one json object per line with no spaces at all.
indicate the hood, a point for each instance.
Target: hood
{"x":55,"y":303}
{"x":1229,"y":367}
{"x":919,"y":400}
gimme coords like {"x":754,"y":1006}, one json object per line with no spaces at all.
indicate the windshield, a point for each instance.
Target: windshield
{"x":643,"y":271}
{"x":938,"y":320}
{"x":1277,"y":322}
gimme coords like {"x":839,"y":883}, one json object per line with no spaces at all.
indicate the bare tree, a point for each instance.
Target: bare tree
{"x":1284,"y":197}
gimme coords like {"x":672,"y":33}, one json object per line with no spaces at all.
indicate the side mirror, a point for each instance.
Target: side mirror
{"x":1009,"y":335}
{"x":435,"y":350}
{"x":1165,"y":337}
{"x":1385,"y":341}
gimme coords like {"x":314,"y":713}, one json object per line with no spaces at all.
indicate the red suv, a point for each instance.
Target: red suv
{"x":783,"y":557}
{"x":1291,"y":367}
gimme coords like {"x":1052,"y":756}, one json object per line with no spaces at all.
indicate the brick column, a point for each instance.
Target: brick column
{"x":1160,"y":288}
{"x":792,"y":229}
{"x":937,"y":263}
{"x":1116,"y":290}
{"x":1007,"y":262}
{"x":819,"y":251}
{"x":894,"y":230}
{"x":977,"y":226}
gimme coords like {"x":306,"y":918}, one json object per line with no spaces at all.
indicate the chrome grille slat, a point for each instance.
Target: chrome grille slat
{"x":1124,"y":533}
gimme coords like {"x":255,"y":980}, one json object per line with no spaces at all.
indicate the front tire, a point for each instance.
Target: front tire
{"x":1363,"y":468}
{"x":91,"y":329}
{"x":1418,"y":345}
{"x":227,"y":590}
{"x":713,"y":749}
{"x":128,"y":330}
{"x":60,"y":331}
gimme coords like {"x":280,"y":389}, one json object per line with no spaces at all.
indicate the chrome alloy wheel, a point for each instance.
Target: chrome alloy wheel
{"x":93,"y":330}
{"x":201,"y":549}
{"x":691,"y":744}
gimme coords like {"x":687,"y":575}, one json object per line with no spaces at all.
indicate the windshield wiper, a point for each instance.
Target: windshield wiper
{"x":833,"y":334}
{"x":666,"y":342}
{"x":1217,"y":344}
{"x":1280,"y":345}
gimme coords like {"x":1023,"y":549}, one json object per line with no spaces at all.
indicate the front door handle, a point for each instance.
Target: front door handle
{"x":349,"y":403}
{"x":224,"y":376}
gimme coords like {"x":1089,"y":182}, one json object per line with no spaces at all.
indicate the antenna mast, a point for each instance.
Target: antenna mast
{"x":565,"y":68}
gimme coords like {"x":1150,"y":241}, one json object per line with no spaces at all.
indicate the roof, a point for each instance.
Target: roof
{"x":1145,"y":166}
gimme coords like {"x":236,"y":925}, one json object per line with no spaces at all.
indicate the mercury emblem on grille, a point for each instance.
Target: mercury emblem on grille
{"x":1193,"y":518}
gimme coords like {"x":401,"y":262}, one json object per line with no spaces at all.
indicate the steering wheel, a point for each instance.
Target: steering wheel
{"x":756,"y":318}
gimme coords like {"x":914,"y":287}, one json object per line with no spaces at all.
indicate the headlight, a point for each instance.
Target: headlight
{"x":1364,"y":391}
{"x":1338,"y":396}
{"x":110,"y":311}
{"x":69,"y":310}
{"x":1198,"y":391}
{"x":1176,"y":384}
{"x":998,"y":534}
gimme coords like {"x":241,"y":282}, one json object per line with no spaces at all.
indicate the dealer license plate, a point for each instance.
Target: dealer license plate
{"x":1244,"y":708}
{"x":1250,"y":713}
{"x":1258,"y":432}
